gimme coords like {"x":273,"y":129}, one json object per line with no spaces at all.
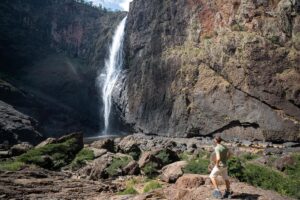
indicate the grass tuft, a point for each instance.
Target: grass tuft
{"x":128,"y":190}
{"x":198,"y":165}
{"x":11,"y":165}
{"x":152,"y":185}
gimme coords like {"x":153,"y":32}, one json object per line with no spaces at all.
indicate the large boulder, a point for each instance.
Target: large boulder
{"x":96,"y":169}
{"x":16,"y":127}
{"x":149,"y":157}
{"x":190,"y":181}
{"x":170,"y":173}
{"x":129,"y":145}
{"x":19,"y":149}
{"x":283,"y":162}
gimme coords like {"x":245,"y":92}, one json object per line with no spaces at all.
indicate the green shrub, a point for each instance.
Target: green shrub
{"x":150,"y":169}
{"x":248,"y":156}
{"x":11,"y":165}
{"x":197,"y":166}
{"x":152,"y":185}
{"x":235,"y":168}
{"x":51,"y":156}
{"x":116,"y":165}
{"x":81,"y":158}
{"x":164,"y":156}
{"x":185,"y":156}
{"x":128,"y":190}
{"x":268,"y":178}
{"x":294,"y":170}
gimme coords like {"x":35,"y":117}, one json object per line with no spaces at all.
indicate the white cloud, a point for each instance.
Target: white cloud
{"x":113,"y":4}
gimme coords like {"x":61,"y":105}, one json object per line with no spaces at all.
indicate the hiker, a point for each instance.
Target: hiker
{"x":220,"y":168}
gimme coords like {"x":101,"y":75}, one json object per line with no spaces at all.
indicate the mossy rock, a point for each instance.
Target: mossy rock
{"x":53,"y":156}
{"x":115,"y":168}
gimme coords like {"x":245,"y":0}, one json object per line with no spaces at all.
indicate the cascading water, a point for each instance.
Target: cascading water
{"x":113,"y":66}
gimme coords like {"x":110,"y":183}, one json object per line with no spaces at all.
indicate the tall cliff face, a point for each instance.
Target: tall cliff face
{"x":205,"y":67}
{"x":51,"y":51}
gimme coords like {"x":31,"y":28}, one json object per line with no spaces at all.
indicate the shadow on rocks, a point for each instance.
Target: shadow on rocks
{"x":246,"y":196}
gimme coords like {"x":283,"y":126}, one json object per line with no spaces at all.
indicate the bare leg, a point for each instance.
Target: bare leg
{"x":227,"y":185}
{"x":214,"y":182}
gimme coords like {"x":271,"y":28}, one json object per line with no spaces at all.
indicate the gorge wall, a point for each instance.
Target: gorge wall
{"x":50,"y":52}
{"x":205,"y":67}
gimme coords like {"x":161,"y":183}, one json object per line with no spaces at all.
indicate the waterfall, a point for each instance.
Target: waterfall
{"x":113,"y":66}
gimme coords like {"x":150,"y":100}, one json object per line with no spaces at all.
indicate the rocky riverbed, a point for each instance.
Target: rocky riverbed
{"x":135,"y":167}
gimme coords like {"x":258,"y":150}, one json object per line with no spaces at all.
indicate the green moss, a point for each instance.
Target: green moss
{"x":51,"y":156}
{"x":81,"y":158}
{"x":152,"y":185}
{"x":150,"y":169}
{"x":11,"y":165}
{"x":116,"y":165}
{"x":235,"y":168}
{"x":248,"y":156}
{"x":128,"y":190}
{"x":274,"y":39}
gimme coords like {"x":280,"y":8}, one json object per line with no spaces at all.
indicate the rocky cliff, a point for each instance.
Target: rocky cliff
{"x":50,"y":54}
{"x":205,"y":67}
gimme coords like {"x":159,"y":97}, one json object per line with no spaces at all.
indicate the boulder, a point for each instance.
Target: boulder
{"x":130,"y":147}
{"x":170,"y":173}
{"x":95,"y":170}
{"x":190,"y":181}
{"x":107,"y":144}
{"x":283,"y":162}
{"x":45,"y":142}
{"x":148,"y":157}
{"x":19,"y":149}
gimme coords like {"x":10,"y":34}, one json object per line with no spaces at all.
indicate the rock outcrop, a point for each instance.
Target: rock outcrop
{"x":43,"y":184}
{"x":16,"y":127}
{"x":199,"y":67}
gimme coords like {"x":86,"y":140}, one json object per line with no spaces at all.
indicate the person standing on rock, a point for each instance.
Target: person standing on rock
{"x":220,"y":168}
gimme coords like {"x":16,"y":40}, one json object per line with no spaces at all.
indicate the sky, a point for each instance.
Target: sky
{"x":113,"y":4}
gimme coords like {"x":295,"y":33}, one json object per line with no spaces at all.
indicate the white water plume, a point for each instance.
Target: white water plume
{"x":113,"y":66}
